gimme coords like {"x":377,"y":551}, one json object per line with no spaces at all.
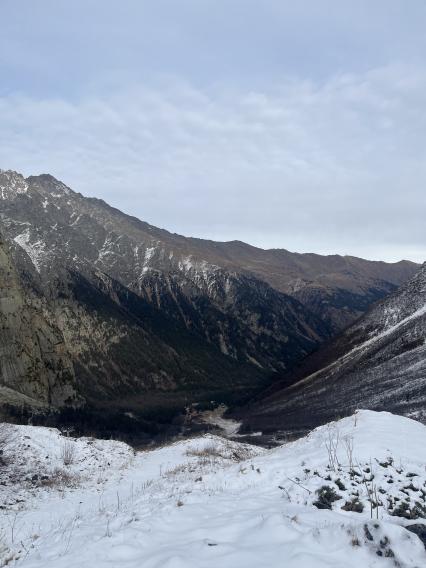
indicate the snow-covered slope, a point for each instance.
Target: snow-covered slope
{"x":209,"y":502}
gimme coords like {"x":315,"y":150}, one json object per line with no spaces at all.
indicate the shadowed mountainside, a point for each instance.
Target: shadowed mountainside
{"x":378,"y":363}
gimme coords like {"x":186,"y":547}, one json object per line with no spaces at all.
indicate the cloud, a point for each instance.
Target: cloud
{"x":333,"y":165}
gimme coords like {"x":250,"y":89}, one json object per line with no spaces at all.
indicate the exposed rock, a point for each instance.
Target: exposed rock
{"x":33,"y":357}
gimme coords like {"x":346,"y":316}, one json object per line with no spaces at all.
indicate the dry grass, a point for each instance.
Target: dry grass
{"x":209,"y":451}
{"x":225,"y":451}
{"x":60,"y":478}
{"x":68,"y":452}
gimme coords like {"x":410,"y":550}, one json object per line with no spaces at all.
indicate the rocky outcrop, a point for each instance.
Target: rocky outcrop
{"x":34,"y":361}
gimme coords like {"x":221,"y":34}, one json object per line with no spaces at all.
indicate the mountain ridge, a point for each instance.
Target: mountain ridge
{"x":233,"y":320}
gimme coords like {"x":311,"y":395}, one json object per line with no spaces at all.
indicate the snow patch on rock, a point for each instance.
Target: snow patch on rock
{"x":35,"y":250}
{"x":11,"y":184}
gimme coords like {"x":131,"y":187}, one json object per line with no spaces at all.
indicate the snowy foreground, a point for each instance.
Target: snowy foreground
{"x":209,"y":502}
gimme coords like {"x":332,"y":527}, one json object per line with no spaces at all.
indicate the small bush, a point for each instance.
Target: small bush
{"x":417,"y":511}
{"x":411,"y":487}
{"x":354,"y":505}
{"x":326,"y":496}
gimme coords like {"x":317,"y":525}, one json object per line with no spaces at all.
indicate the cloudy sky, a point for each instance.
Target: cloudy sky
{"x":288,"y":124}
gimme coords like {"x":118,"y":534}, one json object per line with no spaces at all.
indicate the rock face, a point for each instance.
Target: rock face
{"x":147,"y":316}
{"x":34,"y":365}
{"x":378,"y":363}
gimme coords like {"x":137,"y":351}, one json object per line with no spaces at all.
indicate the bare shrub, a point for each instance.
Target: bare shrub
{"x":210,"y":450}
{"x":68,"y":452}
{"x":60,"y":478}
{"x":225,"y":451}
{"x":370,"y":489}
{"x":332,"y":440}
{"x":348,"y":442}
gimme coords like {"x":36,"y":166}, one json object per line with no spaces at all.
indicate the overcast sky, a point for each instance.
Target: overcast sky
{"x":288,"y":124}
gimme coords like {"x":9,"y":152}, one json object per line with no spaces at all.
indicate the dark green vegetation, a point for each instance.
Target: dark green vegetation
{"x":326,"y":497}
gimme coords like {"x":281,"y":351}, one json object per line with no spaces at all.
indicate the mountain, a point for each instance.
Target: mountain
{"x":338,"y":289}
{"x":378,"y":363}
{"x":73,"y":338}
{"x":144,"y":325}
{"x":149,"y":318}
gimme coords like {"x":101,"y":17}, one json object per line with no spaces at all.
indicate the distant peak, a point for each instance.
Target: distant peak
{"x":49,"y":183}
{"x":12,"y":184}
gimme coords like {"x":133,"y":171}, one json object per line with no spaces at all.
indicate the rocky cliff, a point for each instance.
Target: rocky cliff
{"x":34,"y":364}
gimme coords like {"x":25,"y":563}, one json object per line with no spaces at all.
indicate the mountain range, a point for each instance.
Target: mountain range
{"x":103,"y":309}
{"x":377,"y":363}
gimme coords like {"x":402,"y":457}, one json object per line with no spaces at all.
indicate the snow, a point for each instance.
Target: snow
{"x":62,"y":190}
{"x":186,"y":263}
{"x":216,"y":418}
{"x":416,"y":314}
{"x":203,"y":274}
{"x":11,"y":184}
{"x":106,"y":249}
{"x":35,"y":250}
{"x":208,"y":501}
{"x":359,"y":348}
{"x":149,"y":253}
{"x":76,"y":221}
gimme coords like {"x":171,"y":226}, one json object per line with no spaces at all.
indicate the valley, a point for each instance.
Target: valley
{"x":149,"y":323}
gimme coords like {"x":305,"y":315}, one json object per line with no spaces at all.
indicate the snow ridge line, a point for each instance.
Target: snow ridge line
{"x":418,"y":313}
